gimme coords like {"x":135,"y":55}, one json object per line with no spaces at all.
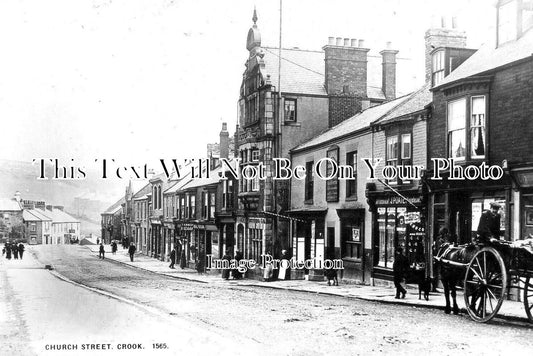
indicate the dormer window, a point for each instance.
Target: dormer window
{"x":437,"y":73}
{"x":507,"y":26}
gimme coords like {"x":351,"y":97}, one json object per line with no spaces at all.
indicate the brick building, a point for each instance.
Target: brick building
{"x":482,"y":116}
{"x":280,"y":109}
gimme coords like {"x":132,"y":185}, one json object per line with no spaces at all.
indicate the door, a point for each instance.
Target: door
{"x":330,"y":248}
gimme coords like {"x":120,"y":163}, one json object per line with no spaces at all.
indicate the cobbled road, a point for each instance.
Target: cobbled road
{"x":295,"y":323}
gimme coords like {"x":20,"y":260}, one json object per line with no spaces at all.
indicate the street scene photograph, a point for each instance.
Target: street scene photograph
{"x":290,"y":177}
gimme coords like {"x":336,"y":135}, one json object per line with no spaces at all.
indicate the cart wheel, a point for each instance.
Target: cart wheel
{"x":528,"y":298}
{"x":485,"y":284}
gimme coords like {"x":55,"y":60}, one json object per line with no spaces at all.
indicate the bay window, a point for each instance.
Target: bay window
{"x":466,"y":120}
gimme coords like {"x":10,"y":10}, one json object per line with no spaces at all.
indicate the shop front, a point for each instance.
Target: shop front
{"x":309,"y":240}
{"x":398,"y":222}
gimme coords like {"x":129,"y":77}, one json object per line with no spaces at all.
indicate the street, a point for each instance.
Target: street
{"x":171,"y":316}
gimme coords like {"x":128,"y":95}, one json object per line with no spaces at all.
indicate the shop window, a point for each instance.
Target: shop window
{"x":437,"y":67}
{"x":351,"y":236}
{"x":309,"y":184}
{"x":399,"y":227}
{"x":351,"y":184}
{"x":290,"y":110}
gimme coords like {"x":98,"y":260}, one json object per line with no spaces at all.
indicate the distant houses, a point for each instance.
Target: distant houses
{"x":34,"y":222}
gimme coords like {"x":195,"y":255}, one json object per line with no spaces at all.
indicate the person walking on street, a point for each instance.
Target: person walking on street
{"x":399,"y":268}
{"x":172,"y":258}
{"x":183,"y":259}
{"x":8,"y":251}
{"x":21,"y":250}
{"x":15,"y":251}
{"x":101,"y":253}
{"x":131,"y":251}
{"x":114,"y":247}
{"x":226,"y":269}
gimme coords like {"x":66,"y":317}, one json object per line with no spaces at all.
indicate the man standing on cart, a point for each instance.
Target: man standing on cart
{"x":488,"y":229}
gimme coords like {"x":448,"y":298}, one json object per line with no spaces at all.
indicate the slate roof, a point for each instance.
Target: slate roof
{"x":213,"y":178}
{"x":114,"y":208}
{"x":415,"y":102}
{"x":355,"y":123}
{"x":302,"y":71}
{"x":59,"y":216}
{"x":490,"y":57}
{"x":143,"y":191}
{"x":35,"y":215}
{"x":9,"y":205}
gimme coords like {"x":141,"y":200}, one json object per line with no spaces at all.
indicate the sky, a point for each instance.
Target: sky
{"x":140,"y":80}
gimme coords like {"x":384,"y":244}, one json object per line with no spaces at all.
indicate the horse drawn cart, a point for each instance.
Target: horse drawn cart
{"x":490,"y":272}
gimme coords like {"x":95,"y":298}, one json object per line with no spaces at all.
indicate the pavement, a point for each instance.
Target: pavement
{"x":510,"y":310}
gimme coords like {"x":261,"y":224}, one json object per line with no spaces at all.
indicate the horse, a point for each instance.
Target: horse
{"x":451,"y":274}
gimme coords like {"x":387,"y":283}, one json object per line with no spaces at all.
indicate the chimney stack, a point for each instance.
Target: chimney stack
{"x":345,"y":78}
{"x":224,"y":141}
{"x":388,"y":77}
{"x":442,"y":36}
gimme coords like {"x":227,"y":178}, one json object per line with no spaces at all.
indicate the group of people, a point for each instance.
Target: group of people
{"x":177,"y":256}
{"x":131,"y":250}
{"x":488,"y":232}
{"x":13,"y":250}
{"x":234,"y":272}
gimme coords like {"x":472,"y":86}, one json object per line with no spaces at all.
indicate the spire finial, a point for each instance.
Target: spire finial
{"x":254,"y":18}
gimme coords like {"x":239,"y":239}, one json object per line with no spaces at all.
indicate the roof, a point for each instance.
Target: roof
{"x":302,"y":71}
{"x":490,"y":57}
{"x":113,"y":208}
{"x":358,"y":122}
{"x":415,"y":102}
{"x":143,"y":191}
{"x":35,"y":215}
{"x":213,"y":179}
{"x":59,"y":216}
{"x":9,"y":205}
{"x":183,"y":181}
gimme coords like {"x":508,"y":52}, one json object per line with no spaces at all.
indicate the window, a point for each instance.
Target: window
{"x":332,"y":185}
{"x":256,"y":236}
{"x":290,"y":109}
{"x":227,"y":194}
{"x":456,"y":129}
{"x":351,"y":184}
{"x":309,"y":181}
{"x":352,"y":240}
{"x":205,"y":204}
{"x":437,"y":67}
{"x":392,"y":152}
{"x":252,"y":109}
{"x":255,"y":155}
{"x":212,"y":206}
{"x":467,"y":137}
{"x":192,"y":207}
{"x":255,"y":184}
{"x":33,"y":227}
{"x":507,"y":15}
{"x":477,"y":127}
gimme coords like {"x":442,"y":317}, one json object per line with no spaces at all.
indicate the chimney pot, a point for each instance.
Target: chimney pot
{"x":354,"y":42}
{"x":361,"y":43}
{"x":454,"y":22}
{"x":346,"y":42}
{"x":331,"y":41}
{"x":339,"y":41}
{"x":388,"y":45}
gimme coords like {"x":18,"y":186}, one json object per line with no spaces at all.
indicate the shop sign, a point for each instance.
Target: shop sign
{"x":186,"y":227}
{"x":396,"y":200}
